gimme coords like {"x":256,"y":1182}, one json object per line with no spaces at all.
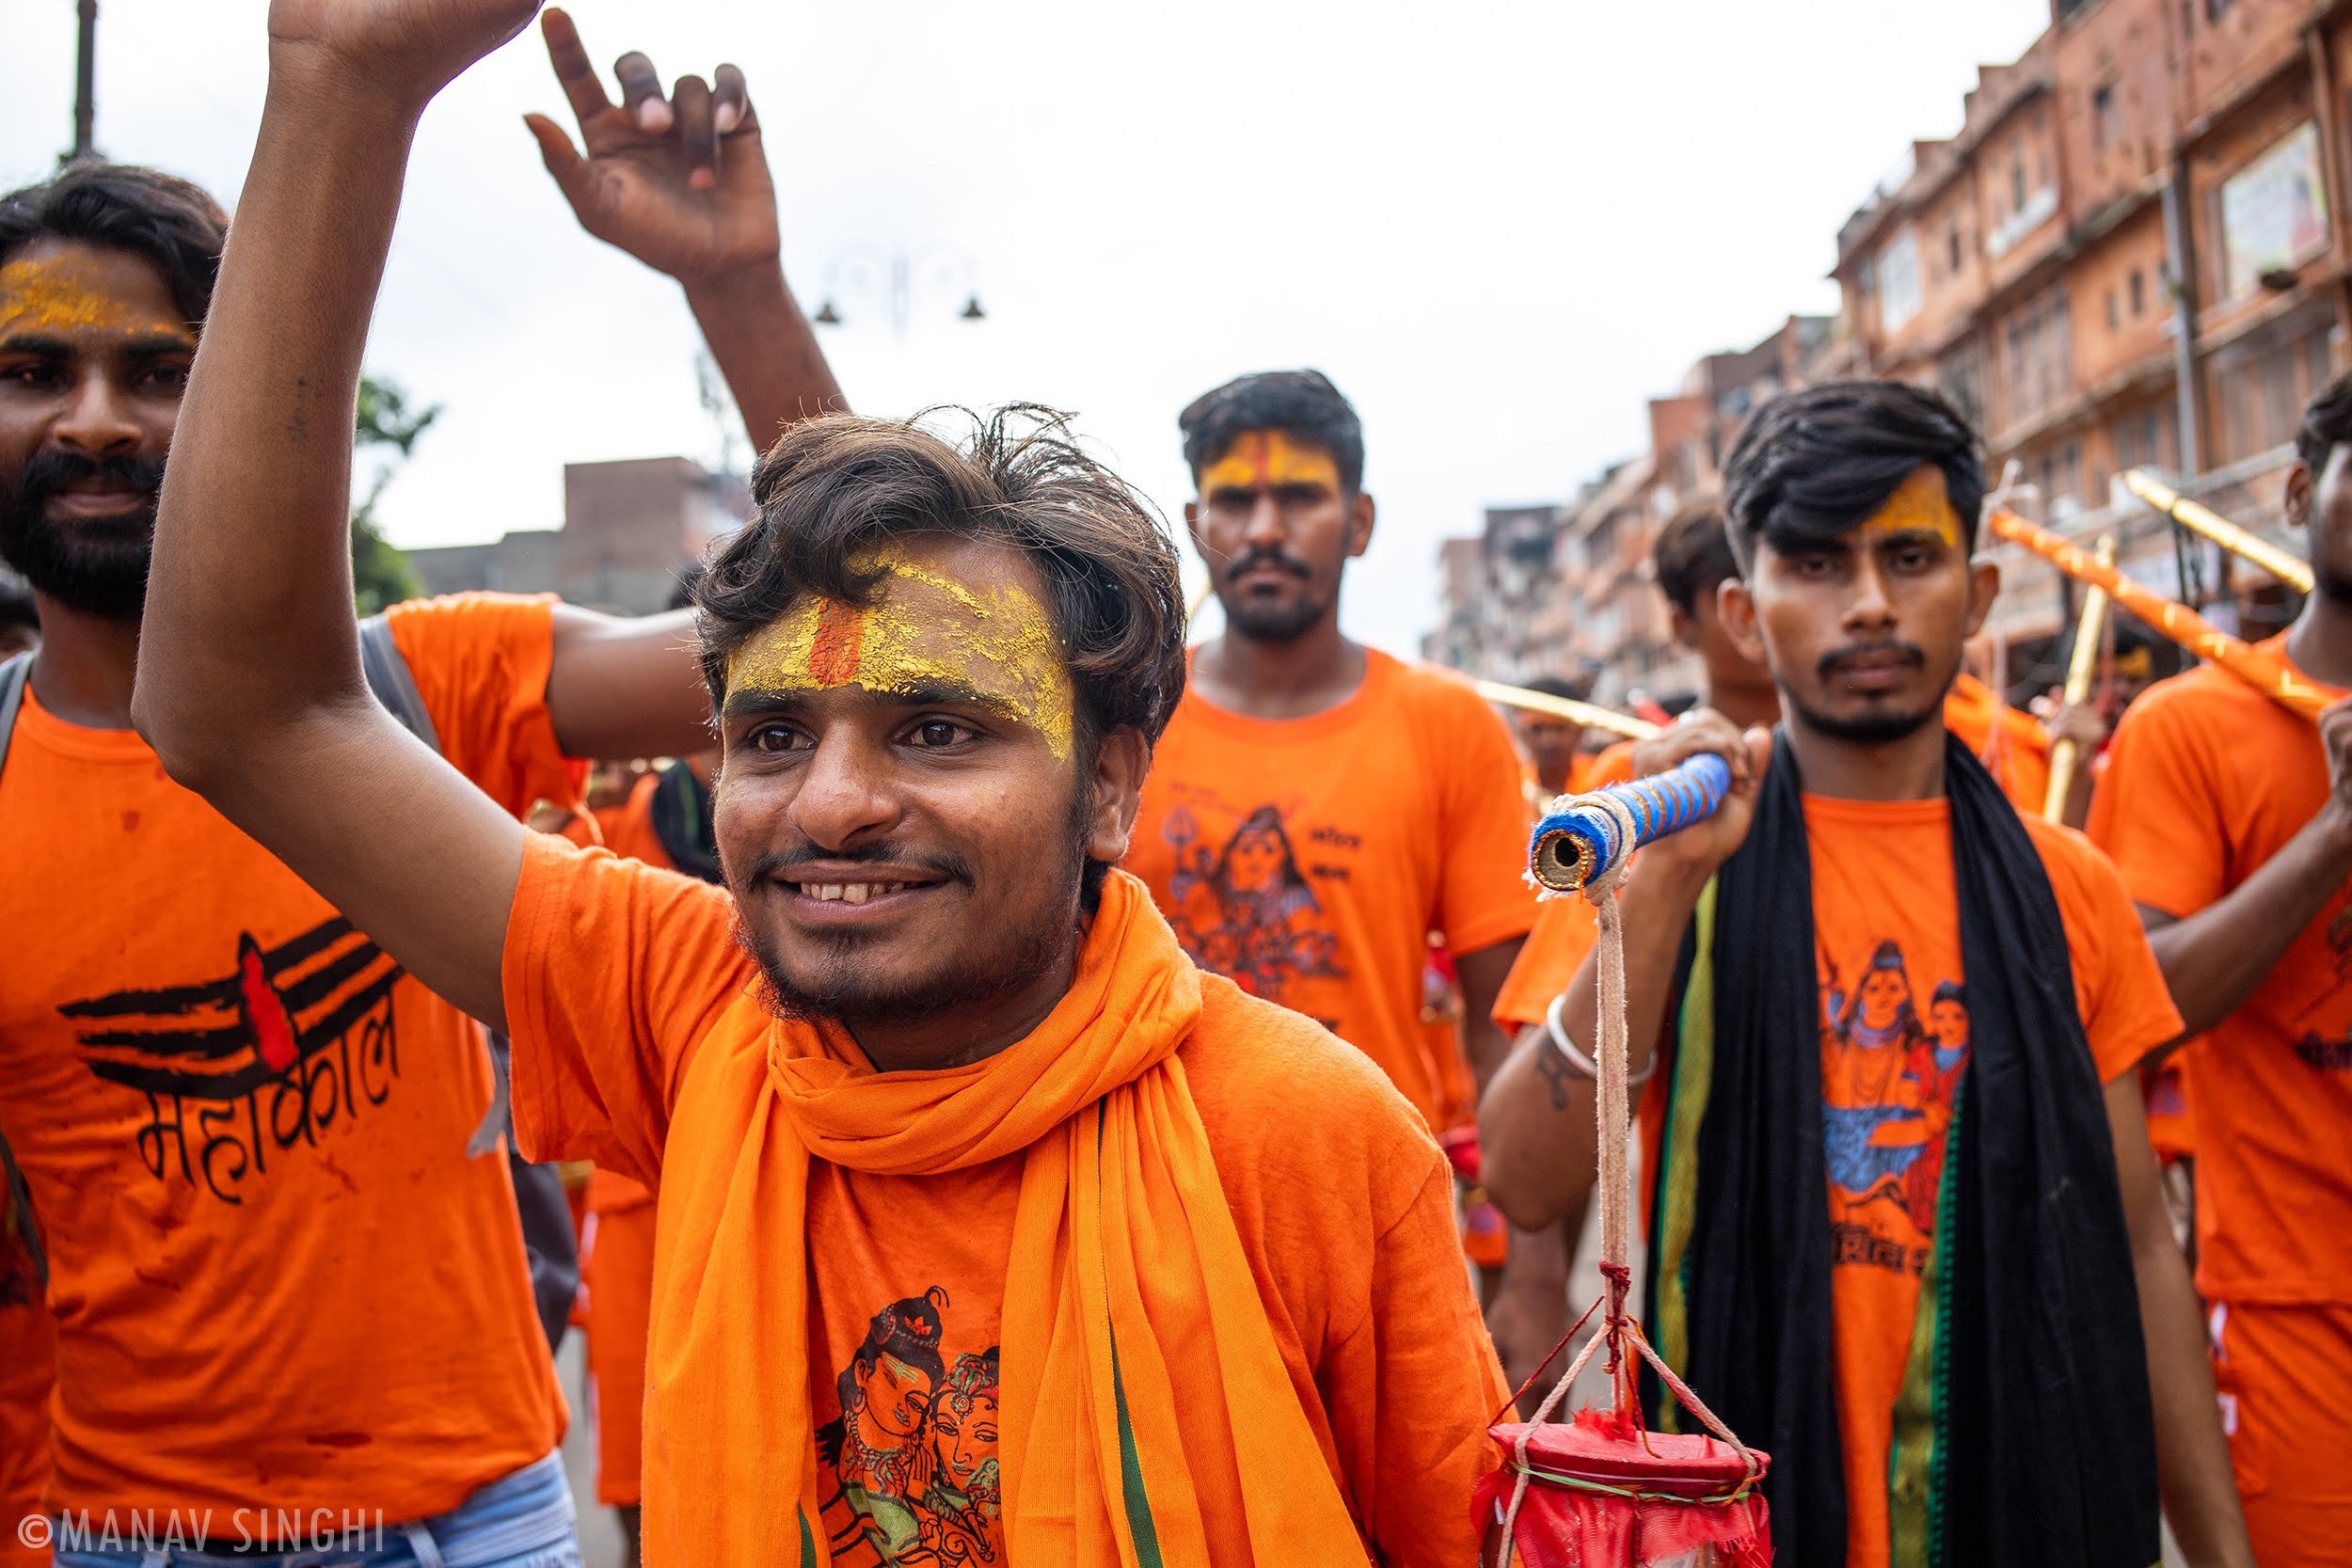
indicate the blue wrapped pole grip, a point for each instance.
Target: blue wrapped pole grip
{"x":1575,"y":845}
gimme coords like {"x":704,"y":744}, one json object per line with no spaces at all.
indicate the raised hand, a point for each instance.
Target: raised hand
{"x":406,"y":50}
{"x":1704,"y":846}
{"x":680,"y":183}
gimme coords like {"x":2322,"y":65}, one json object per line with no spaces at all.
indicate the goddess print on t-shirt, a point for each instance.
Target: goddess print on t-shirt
{"x":240,"y":1068}
{"x":1888,"y":1072}
{"x":1248,"y":910}
{"x":914,"y":1453}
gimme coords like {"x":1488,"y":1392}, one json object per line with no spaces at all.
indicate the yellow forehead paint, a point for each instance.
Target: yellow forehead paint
{"x":1918,"y":505}
{"x":1261,"y":459}
{"x":924,"y":630}
{"x":52,"y":295}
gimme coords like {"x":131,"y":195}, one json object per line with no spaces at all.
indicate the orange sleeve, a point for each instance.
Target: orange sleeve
{"x":2027,"y":764}
{"x":1483,"y":896}
{"x":612,"y":972}
{"x":2126,"y":1009}
{"x":1564,"y":932}
{"x":480,"y":663}
{"x":1422,"y":1366}
{"x":1564,"y":928}
{"x":2157,"y":808}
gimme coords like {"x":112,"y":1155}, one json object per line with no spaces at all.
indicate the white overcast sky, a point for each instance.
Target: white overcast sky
{"x":1498,"y":228}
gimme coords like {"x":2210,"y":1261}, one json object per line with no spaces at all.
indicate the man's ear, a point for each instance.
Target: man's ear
{"x":1192,"y":521}
{"x":1735,"y":607}
{"x":1119,"y":764}
{"x":2301,"y":482}
{"x":1359,"y":515}
{"x":1984,"y":586}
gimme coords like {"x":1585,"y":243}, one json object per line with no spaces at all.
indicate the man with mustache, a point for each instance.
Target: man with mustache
{"x":2004,"y":1369}
{"x":2230,"y":818}
{"x":1394,"y":788}
{"x":928,"y":1053}
{"x":285,"y":1281}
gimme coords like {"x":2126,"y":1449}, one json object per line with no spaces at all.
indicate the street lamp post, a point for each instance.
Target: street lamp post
{"x":85,"y":84}
{"x":897,"y":275}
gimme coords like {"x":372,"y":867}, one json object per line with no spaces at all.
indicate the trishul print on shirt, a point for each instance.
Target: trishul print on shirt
{"x":913,"y":1454}
{"x":291,"y":1043}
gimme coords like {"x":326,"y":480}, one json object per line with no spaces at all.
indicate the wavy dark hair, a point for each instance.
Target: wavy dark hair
{"x":834,"y":487}
{"x":1303,"y":403}
{"x":1814,"y":465}
{"x":123,"y":207}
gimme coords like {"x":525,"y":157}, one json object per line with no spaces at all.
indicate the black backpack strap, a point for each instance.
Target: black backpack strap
{"x":16,"y":1199}
{"x":389,"y":678}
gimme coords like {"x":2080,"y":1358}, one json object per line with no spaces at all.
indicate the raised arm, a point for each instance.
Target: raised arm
{"x":248,"y":685}
{"x":2214,"y":959}
{"x":1536,"y":1129}
{"x":682,"y":183}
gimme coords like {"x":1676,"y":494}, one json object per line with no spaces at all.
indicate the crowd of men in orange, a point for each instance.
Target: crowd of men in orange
{"x":1005,"y":1048}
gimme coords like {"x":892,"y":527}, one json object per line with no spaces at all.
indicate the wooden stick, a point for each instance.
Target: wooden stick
{"x":1591,"y":715}
{"x":2088,"y":630}
{"x":2176,"y":621}
{"x":2202,"y":520}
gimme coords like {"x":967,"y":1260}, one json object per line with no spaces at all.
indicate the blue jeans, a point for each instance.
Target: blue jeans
{"x":522,"y":1521}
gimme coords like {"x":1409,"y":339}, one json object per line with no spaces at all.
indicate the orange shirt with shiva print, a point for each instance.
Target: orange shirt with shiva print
{"x":1895,"y":1035}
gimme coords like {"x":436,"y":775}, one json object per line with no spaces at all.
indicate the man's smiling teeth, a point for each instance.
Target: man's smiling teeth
{"x":847,"y":892}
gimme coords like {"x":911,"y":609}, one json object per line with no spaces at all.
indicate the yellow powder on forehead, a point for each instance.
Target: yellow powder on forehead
{"x":1263,"y":459}
{"x":1918,"y":505}
{"x":54,"y":295}
{"x":923,"y":629}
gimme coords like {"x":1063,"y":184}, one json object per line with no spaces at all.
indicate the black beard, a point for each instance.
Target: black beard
{"x":842,"y":992}
{"x":1254,"y":622}
{"x":96,"y":567}
{"x":1876,"y":729}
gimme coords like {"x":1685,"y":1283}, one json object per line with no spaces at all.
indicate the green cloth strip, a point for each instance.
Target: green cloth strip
{"x":1914,"y":1502}
{"x":1677,"y":1188}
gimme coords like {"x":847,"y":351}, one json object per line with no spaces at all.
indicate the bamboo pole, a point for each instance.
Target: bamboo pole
{"x":1591,"y":715}
{"x":2176,"y":621}
{"x":2089,"y":628}
{"x":2202,"y":520}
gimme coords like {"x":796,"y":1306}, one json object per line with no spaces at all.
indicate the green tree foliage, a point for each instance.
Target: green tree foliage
{"x":381,"y":575}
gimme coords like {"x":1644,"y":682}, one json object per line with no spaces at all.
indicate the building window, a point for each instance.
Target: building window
{"x":1953,"y":239}
{"x":1899,"y":282}
{"x":2138,"y":294}
{"x":2040,"y":367}
{"x":2105,"y":122}
{"x":2017,"y":183}
{"x":2217,"y":10}
{"x":2274,"y":212}
{"x":2260,"y":393}
{"x":2114,"y":316}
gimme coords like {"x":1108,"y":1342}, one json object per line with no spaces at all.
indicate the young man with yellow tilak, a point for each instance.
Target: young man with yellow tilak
{"x":942,"y":1116}
{"x":1905,"y":1228}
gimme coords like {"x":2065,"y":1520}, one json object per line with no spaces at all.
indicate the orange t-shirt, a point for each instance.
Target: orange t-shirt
{"x":616,"y":1271}
{"x":27,"y":1368}
{"x":278,"y":1280}
{"x":1893,"y":1042}
{"x":2013,"y":746}
{"x":2207,"y":779}
{"x":618,"y":981}
{"x":628,"y":828}
{"x":1307,"y":859}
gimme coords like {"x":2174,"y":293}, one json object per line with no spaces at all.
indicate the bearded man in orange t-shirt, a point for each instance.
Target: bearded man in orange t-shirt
{"x":2230,"y":818}
{"x":291,"y":1291}
{"x":1923,"y":1260}
{"x":929,"y":1076}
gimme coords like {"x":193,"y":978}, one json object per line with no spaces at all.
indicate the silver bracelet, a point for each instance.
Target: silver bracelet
{"x":1576,"y":1059}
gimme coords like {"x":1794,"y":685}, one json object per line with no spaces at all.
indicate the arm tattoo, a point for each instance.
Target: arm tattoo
{"x":1554,"y":1070}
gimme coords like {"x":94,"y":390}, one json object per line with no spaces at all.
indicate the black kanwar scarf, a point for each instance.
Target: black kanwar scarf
{"x":681,"y":820}
{"x":2025,"y":1435}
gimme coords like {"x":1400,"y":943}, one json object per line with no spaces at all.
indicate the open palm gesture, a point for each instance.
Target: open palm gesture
{"x":680,"y":183}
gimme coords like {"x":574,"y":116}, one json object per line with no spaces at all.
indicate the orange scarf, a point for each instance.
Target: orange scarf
{"x":1113,"y":1400}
